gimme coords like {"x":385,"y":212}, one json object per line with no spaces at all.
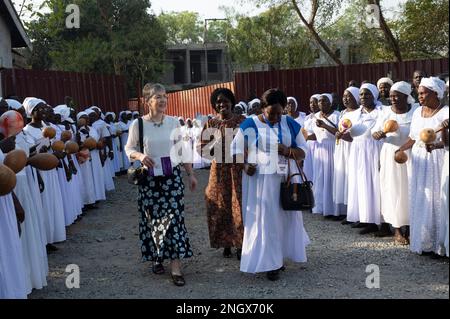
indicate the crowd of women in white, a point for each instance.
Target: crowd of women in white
{"x":53,"y":200}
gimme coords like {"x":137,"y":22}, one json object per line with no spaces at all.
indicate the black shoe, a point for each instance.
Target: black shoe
{"x":385,"y":231}
{"x":227,"y":252}
{"x":358,"y":225}
{"x":51,"y":248}
{"x":371,"y":228}
{"x":338,"y":218}
{"x":273,"y":275}
{"x":238,"y":253}
{"x":178,"y":280}
{"x":158,"y":269}
{"x":346,"y":222}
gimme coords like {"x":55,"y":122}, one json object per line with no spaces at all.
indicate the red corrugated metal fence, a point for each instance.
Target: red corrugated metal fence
{"x":190,"y":102}
{"x":106,"y":91}
{"x":302,"y":83}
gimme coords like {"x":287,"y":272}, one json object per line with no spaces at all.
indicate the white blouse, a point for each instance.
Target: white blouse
{"x":159,"y":141}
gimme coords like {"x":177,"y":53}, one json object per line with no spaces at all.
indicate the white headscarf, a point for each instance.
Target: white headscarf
{"x":13,"y":104}
{"x":111,"y":113}
{"x":405,"y":88}
{"x":135,"y":112}
{"x":244,"y":106}
{"x":64,"y":111}
{"x":434,"y":84}
{"x":95,"y":108}
{"x":253,"y":102}
{"x":79,"y":115}
{"x":384,"y":80}
{"x":315,"y":96}
{"x":30,"y":104}
{"x":372,"y":88}
{"x":328,"y":96}
{"x":89,"y":111}
{"x":291,"y":98}
{"x":355,"y":92}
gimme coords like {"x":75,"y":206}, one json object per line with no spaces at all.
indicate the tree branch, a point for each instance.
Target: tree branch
{"x":315,"y":35}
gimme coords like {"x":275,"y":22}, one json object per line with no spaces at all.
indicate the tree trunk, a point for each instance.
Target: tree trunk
{"x":388,"y":33}
{"x":316,"y":36}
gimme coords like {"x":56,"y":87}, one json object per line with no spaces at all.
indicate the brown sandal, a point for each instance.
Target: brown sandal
{"x":178,"y":280}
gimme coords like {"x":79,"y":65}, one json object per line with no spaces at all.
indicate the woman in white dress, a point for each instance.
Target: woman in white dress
{"x":350,"y":99}
{"x":12,"y":271}
{"x":426,"y":168}
{"x":445,"y":193}
{"x":270,"y":233}
{"x":109,"y":120}
{"x":394,"y":176}
{"x":51,"y":196}
{"x":363,"y":165}
{"x":308,"y":165}
{"x":124,"y":126}
{"x":324,"y":128}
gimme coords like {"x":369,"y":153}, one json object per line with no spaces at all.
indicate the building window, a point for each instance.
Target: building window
{"x":213,"y":62}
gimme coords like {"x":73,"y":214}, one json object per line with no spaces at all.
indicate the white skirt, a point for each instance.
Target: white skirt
{"x":12,"y":270}
{"x":323,"y":177}
{"x":67,"y":198}
{"x":98,"y":175}
{"x":37,"y":201}
{"x":108,"y":175}
{"x":308,"y":165}
{"x":425,"y":200}
{"x":87,"y":188}
{"x":34,"y":251}
{"x":394,"y":186}
{"x":444,"y":205}
{"x":75,"y":185}
{"x":364,"y":182}
{"x":270,"y":233}
{"x":125,"y":160}
{"x":53,"y":207}
{"x":340,"y":177}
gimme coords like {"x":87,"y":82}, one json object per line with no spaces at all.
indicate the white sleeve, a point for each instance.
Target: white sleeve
{"x":301,"y":142}
{"x":238,"y":144}
{"x":132,"y":145}
{"x":362,"y":127}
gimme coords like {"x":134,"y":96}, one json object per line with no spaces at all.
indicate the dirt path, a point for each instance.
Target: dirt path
{"x":105,"y":246}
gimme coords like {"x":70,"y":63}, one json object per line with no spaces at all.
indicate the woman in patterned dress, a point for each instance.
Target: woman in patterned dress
{"x":161,"y":196}
{"x":223,"y":193}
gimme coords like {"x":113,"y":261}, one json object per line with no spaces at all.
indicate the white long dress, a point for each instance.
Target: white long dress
{"x":103,"y":133}
{"x":97,"y":169}
{"x":340,"y":176}
{"x":425,"y":186}
{"x":394,"y":177}
{"x":444,"y":234}
{"x":308,"y":164}
{"x":52,"y":201}
{"x":87,"y":189}
{"x":12,"y":270}
{"x":33,"y":246}
{"x":363,"y":171}
{"x":324,"y":165}
{"x":270,"y":233}
{"x":77,"y":183}
{"x":124,"y":138}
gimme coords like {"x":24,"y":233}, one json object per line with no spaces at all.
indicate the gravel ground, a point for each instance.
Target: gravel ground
{"x":105,"y":246}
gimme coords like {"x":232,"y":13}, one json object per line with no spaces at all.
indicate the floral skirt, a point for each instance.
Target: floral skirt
{"x":162,"y":230}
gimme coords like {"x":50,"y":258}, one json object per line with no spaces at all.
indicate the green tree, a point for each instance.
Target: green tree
{"x":423,"y":28}
{"x":115,"y":36}
{"x":182,"y":27}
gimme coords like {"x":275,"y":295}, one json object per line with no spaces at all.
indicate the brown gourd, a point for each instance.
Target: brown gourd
{"x":44,"y":161}
{"x":16,"y":160}
{"x":7,"y":180}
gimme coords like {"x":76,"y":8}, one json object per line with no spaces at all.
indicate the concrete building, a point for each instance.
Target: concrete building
{"x":12,"y":35}
{"x":195,"y":65}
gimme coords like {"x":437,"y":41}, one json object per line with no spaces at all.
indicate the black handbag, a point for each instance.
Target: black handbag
{"x":137,"y":176}
{"x":296,"y":196}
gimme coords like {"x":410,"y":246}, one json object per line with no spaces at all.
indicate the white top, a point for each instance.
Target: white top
{"x":321,"y":133}
{"x":101,"y":128}
{"x":399,"y":137}
{"x":418,"y":123}
{"x":159,"y":141}
{"x":364,"y":124}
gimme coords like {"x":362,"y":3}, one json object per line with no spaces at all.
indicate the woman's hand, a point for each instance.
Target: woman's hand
{"x":192,"y":182}
{"x":250,"y":169}
{"x":283,"y":150}
{"x":147,"y":161}
{"x":320,"y":123}
{"x":445,"y":124}
{"x":378,"y":135}
{"x":44,"y":149}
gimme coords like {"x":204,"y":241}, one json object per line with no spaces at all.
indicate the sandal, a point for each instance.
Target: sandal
{"x":158,"y":269}
{"x":227,"y":253}
{"x":178,"y":280}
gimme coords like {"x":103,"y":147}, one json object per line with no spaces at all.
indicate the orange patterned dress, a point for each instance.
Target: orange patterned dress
{"x":223,"y":194}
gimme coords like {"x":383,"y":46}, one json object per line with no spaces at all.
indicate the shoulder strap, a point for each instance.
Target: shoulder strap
{"x":332,"y":124}
{"x":141,"y":134}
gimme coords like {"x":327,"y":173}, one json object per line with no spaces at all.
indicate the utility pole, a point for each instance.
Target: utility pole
{"x":205,"y":32}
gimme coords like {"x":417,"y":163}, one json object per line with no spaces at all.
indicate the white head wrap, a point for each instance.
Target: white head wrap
{"x":328,"y":96}
{"x":405,"y":88}
{"x":253,"y":102}
{"x":89,"y":111}
{"x":95,"y":108}
{"x":79,"y":115}
{"x":111,"y":113}
{"x":372,"y":88}
{"x":128,"y":112}
{"x":291,"y":98}
{"x":64,"y":111}
{"x":13,"y":104}
{"x":315,"y":96}
{"x":355,"y":92}
{"x":434,"y":84}
{"x":384,"y":80}
{"x":244,"y":106}
{"x":30,"y":103}
{"x":135,"y":112}
{"x":180,"y":118}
